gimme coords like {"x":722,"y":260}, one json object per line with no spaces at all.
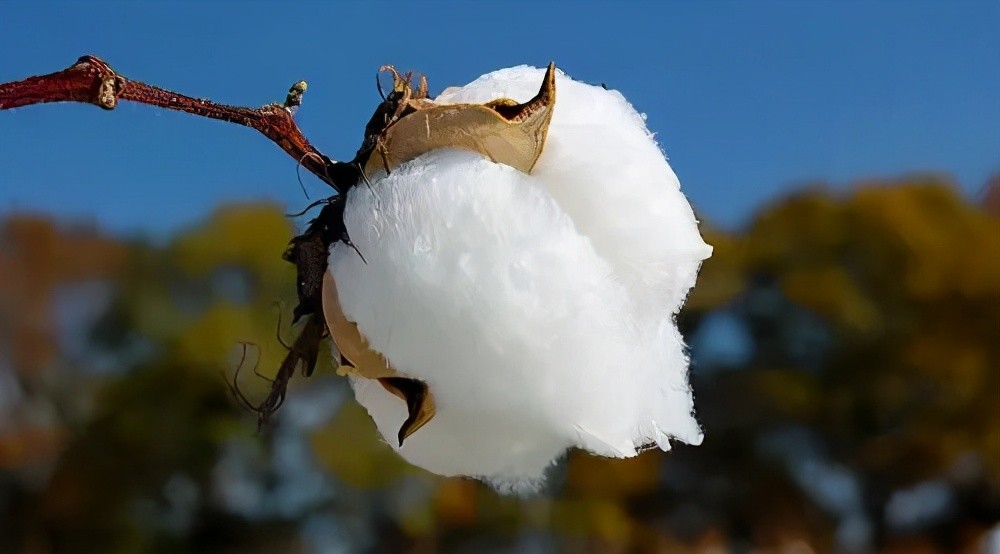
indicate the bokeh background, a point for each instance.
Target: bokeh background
{"x":844,"y":158}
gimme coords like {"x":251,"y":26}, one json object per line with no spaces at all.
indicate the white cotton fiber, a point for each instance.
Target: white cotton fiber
{"x":538,"y":308}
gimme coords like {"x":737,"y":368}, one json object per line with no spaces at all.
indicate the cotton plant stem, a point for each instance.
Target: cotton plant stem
{"x":92,"y":81}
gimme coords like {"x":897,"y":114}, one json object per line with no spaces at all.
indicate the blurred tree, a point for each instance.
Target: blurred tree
{"x":875,"y":325}
{"x":846,"y":366}
{"x":158,"y":422}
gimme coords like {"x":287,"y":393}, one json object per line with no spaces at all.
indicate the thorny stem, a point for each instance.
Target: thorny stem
{"x":92,"y":81}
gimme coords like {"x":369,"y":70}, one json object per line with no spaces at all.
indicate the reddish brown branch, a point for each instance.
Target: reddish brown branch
{"x":92,"y":81}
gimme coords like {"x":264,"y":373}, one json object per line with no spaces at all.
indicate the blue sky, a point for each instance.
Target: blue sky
{"x":749,"y":99}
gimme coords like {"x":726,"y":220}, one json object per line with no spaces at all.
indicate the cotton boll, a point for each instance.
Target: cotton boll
{"x":497,"y":303}
{"x":538,"y":308}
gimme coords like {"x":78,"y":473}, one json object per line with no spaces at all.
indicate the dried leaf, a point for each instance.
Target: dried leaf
{"x":502,"y":130}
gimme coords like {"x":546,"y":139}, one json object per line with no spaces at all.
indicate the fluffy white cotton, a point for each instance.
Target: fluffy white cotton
{"x":539,"y":308}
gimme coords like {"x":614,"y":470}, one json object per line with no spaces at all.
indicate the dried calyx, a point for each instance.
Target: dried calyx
{"x":405,"y":125}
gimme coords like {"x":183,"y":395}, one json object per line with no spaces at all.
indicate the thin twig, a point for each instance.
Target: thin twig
{"x":92,"y":81}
